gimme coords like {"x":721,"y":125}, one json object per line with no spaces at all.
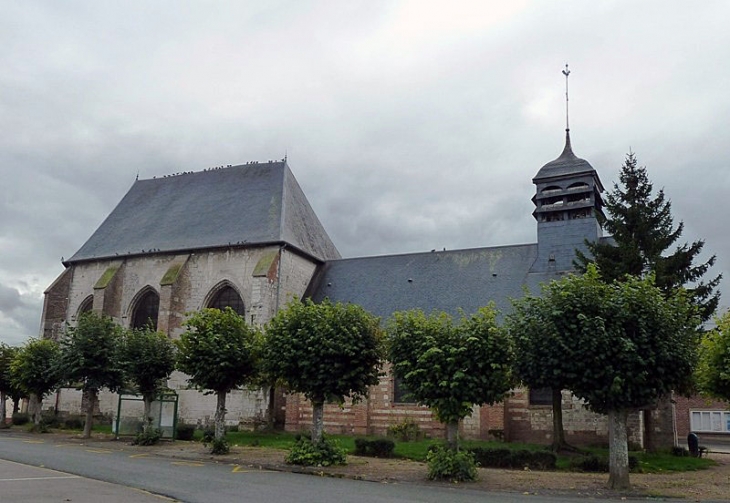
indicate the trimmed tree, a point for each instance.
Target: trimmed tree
{"x":630,"y":344}
{"x":451,"y":368}
{"x":544,"y":361}
{"x":219,"y":352}
{"x":89,"y":358}
{"x":713,"y":371}
{"x":34,"y":372}
{"x":148,"y":359}
{"x":7,"y":354}
{"x":643,"y":231}
{"x":327,"y":352}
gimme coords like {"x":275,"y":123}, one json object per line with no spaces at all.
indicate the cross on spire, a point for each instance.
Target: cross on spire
{"x":566,"y":72}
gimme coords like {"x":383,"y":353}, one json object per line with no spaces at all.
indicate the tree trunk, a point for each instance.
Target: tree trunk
{"x":34,"y":408}
{"x":618,"y":456}
{"x":220,"y":415}
{"x":271,"y":409}
{"x":16,"y":405}
{"x":559,"y":444}
{"x":147,"y":400}
{"x":317,"y":421}
{"x":3,"y":410}
{"x":452,"y":435}
{"x":92,"y":396}
{"x":558,"y":431}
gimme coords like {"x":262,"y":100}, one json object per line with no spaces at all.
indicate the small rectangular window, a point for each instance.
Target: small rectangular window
{"x":710,"y":420}
{"x":401,"y":393}
{"x":541,"y":396}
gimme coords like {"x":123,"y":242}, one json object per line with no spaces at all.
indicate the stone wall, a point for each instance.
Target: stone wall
{"x":534,"y":423}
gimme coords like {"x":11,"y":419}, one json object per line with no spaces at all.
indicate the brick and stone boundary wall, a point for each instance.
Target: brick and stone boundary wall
{"x":375,"y":414}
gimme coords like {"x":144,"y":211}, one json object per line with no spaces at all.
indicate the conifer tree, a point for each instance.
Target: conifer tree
{"x":643,"y":231}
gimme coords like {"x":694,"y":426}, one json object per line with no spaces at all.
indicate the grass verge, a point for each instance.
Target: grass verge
{"x":661,"y":462}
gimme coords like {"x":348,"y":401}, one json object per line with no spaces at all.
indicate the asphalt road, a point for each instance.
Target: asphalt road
{"x":198,"y":482}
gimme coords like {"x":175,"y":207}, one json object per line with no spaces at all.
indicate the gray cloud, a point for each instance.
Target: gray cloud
{"x":19,"y":315}
{"x":410,"y":125}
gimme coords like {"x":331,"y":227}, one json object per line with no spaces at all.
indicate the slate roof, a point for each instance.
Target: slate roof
{"x":439,"y":280}
{"x":252,"y":204}
{"x":568,"y":164}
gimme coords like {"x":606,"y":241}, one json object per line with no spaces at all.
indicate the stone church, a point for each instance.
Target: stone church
{"x":245,"y":236}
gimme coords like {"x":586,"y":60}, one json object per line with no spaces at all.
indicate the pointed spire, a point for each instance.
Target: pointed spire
{"x":568,"y":150}
{"x":566,"y":72}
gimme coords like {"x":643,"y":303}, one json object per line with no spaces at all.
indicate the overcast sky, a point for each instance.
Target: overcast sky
{"x":410,"y":125}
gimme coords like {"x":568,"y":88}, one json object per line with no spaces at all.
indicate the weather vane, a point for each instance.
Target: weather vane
{"x":566,"y":72}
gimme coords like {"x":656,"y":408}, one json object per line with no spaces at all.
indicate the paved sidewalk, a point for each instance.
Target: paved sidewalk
{"x":31,"y":484}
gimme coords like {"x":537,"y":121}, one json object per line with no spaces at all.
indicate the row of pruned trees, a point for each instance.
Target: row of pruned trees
{"x":95,"y":354}
{"x":619,"y":346}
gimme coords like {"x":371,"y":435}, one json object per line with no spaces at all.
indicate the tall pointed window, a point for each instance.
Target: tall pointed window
{"x":228,"y":297}
{"x":86,"y":305}
{"x":146,"y":311}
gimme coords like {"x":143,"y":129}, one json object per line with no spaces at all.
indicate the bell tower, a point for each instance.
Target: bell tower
{"x":568,"y":206}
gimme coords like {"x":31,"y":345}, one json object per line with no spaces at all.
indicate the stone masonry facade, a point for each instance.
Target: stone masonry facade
{"x":266,"y":278}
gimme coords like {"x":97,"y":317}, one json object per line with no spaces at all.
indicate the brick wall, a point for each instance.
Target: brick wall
{"x":685,"y":405}
{"x":55,"y":302}
{"x":374,"y":415}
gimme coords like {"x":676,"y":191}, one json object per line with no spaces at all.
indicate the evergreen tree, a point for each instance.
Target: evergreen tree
{"x":643,"y":232}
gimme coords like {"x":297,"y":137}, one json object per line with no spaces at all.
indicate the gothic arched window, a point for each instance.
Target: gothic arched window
{"x":228,"y":297}
{"x":86,"y":305}
{"x":146,"y":310}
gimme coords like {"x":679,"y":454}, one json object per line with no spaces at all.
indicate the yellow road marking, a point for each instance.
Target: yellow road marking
{"x":65,"y":445}
{"x":187,"y":463}
{"x":241,"y":469}
{"x":138,"y":455}
{"x":99,"y":451}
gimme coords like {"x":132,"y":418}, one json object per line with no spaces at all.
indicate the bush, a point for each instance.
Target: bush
{"x":208,"y":435}
{"x":446,"y":464}
{"x":519,"y":459}
{"x":73,"y":423}
{"x":492,"y":458}
{"x":184,"y":431}
{"x":50,"y":419}
{"x":635,"y":447}
{"x":150,"y":437}
{"x":219,"y":446}
{"x":377,"y":447}
{"x":325,"y":453}
{"x":405,"y":431}
{"x":680,"y":452}
{"x":20,"y":418}
{"x":598,"y":464}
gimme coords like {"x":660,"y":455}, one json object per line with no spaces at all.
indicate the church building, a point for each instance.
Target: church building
{"x":245,"y":236}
